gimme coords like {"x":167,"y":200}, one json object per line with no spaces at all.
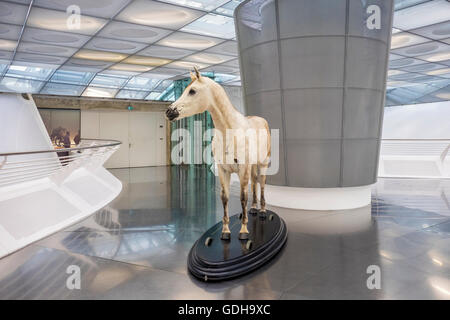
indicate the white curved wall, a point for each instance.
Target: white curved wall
{"x":418,"y":121}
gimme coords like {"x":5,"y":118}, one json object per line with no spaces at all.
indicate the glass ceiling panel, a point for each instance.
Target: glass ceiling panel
{"x":2,"y":68}
{"x":20,"y":85}
{"x":163,"y":85}
{"x":72,"y":77}
{"x":412,"y":92}
{"x":212,"y":25}
{"x":142,"y":83}
{"x":131,"y":94}
{"x":153,"y":96}
{"x":228,"y":8}
{"x":109,"y":81}
{"x":206,"y":5}
{"x":402,"y":4}
{"x":62,"y":89}
{"x":222,"y":77}
{"x":209,"y":23}
{"x":29,"y":72}
{"x":99,"y":92}
{"x":427,"y":13}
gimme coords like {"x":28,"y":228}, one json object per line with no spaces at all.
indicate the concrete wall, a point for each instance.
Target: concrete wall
{"x":85,"y":103}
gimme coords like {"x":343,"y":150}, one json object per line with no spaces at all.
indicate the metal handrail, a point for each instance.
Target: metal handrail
{"x":16,"y":168}
{"x":111,"y":144}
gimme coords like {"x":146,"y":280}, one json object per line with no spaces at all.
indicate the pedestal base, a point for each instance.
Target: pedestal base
{"x":213,"y":259}
{"x":318,"y":198}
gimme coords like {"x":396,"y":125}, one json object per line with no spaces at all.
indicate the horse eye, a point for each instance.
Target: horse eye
{"x":192,"y":92}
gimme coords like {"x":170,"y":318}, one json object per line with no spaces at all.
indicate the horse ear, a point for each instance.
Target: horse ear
{"x":197,"y":74}
{"x":193,"y":77}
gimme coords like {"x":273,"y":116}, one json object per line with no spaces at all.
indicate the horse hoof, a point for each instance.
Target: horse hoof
{"x":208,"y":241}
{"x":225,"y":236}
{"x":243,"y":236}
{"x":248,"y":245}
{"x":253,"y":211}
{"x":262,"y":215}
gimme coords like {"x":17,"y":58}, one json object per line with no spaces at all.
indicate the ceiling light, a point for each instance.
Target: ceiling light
{"x":146,"y":61}
{"x":158,"y":14}
{"x":186,"y":65}
{"x":130,"y":67}
{"x":188,"y":41}
{"x":438,"y":72}
{"x":394,"y":72}
{"x":58,"y":20}
{"x":445,"y":96}
{"x":209,"y":58}
{"x":7,"y":45}
{"x":436,"y":57}
{"x":100,"y":55}
{"x":404,"y":39}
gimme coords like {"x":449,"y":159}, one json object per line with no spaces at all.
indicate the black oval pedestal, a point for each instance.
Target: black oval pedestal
{"x":213,"y":259}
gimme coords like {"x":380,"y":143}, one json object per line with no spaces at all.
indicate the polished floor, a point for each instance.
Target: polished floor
{"x":136,"y":247}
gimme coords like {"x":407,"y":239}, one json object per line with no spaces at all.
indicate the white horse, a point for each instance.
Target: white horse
{"x":250,"y":135}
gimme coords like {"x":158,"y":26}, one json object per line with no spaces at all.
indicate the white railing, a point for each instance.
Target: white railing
{"x":18,"y":167}
{"x":414,"y":158}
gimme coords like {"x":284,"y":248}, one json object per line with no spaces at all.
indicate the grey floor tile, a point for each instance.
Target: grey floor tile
{"x":137,"y":246}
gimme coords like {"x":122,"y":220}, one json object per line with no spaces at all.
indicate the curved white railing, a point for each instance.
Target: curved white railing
{"x":18,"y":167}
{"x":415,"y":158}
{"x":45,"y":191}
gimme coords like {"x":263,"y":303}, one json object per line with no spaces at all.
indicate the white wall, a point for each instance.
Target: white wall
{"x":419,"y":121}
{"x":408,"y":157}
{"x":143,"y":136}
{"x":21,"y":126}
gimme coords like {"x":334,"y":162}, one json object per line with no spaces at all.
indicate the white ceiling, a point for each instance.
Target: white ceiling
{"x":135,"y":48}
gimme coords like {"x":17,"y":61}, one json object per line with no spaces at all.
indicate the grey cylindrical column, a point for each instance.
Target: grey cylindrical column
{"x":316,"y":70}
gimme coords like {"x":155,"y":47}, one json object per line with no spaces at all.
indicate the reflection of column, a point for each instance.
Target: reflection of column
{"x":316,"y":70}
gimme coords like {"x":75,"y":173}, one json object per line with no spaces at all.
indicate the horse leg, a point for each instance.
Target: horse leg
{"x":254,"y":177}
{"x":224,"y":177}
{"x":262,"y":183}
{"x":244,"y":176}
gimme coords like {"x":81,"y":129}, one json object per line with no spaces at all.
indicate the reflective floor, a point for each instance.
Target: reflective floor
{"x":136,"y":247}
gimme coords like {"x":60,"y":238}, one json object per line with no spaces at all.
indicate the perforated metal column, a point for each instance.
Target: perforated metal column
{"x":316,"y":70}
